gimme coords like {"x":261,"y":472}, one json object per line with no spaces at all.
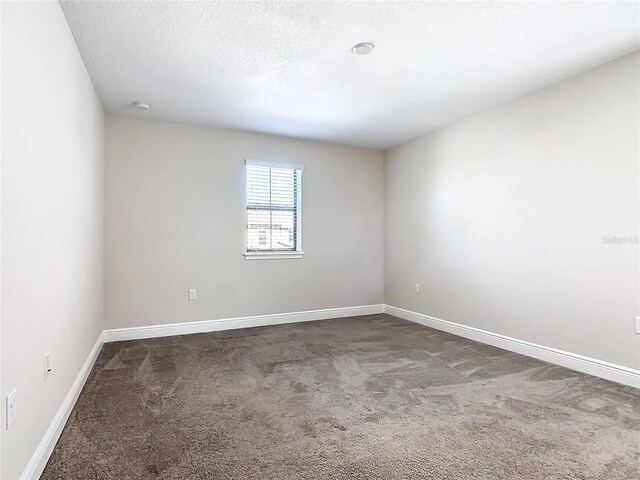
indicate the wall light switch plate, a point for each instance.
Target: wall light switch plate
{"x":193,"y":294}
{"x":416,"y":288}
{"x":637,"y":324}
{"x":12,"y":408}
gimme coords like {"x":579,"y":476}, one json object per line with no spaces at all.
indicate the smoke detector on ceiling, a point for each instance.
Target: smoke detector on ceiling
{"x":364,"y":48}
{"x":142,"y":106}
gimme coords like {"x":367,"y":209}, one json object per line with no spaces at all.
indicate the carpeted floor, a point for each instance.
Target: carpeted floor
{"x":357,"y":398}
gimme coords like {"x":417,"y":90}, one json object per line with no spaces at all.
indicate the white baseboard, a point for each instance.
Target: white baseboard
{"x":135,"y":333}
{"x":591,"y":366}
{"x":573,"y":361}
{"x":41,"y":456}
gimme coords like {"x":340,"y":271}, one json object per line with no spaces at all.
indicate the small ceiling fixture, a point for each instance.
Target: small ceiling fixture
{"x":142,"y":105}
{"x":364,"y":48}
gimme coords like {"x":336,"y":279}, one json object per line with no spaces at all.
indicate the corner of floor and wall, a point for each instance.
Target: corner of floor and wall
{"x":52,"y":228}
{"x":506,"y":222}
{"x":522,"y":221}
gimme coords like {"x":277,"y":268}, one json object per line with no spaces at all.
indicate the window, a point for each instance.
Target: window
{"x":274,"y":193}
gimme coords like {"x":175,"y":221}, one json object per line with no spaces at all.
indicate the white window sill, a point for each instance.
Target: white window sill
{"x":272,"y":255}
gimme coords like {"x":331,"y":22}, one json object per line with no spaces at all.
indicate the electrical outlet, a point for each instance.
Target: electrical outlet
{"x":193,"y":294}
{"x":416,"y":288}
{"x":48,"y":368}
{"x":12,"y":408}
{"x":638,"y":325}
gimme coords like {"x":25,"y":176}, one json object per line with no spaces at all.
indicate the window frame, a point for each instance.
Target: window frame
{"x":268,"y":254}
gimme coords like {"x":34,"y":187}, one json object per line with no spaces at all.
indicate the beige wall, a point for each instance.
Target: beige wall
{"x":500,"y":217}
{"x":175,"y":219}
{"x":52,"y":221}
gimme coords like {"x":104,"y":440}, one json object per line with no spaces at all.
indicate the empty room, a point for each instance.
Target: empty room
{"x":320,"y":240}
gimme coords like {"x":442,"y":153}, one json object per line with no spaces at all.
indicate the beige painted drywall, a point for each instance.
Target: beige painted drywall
{"x":52,"y":220}
{"x":500,"y":217}
{"x":175,"y":219}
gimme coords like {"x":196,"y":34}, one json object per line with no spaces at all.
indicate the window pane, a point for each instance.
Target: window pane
{"x":270,"y":230}
{"x":258,"y":189}
{"x":282,"y":187}
{"x":282,"y":230}
{"x":259,"y":230}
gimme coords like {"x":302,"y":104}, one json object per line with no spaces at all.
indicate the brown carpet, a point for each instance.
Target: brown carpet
{"x":357,"y":398}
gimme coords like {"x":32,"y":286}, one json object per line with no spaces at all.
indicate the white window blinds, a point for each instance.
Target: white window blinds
{"x":274,"y":193}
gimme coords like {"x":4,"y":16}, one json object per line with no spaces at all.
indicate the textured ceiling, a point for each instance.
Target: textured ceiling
{"x":287,"y":68}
